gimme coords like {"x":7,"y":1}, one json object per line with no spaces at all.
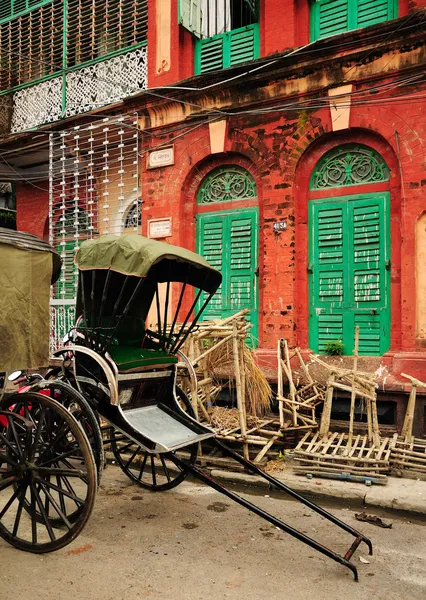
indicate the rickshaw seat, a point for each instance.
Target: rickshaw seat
{"x":131,"y":359}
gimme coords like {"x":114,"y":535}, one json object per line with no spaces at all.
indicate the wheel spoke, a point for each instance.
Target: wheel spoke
{"x":165,"y":469}
{"x":154,"y":475}
{"x":58,"y":458}
{"x":9,"y":503}
{"x":69,"y":488}
{"x":124,"y":448}
{"x":33,"y":517}
{"x":9,"y":445}
{"x":143,"y":465}
{"x":37,"y":434}
{"x":43,"y":513}
{"x":19,"y":511}
{"x":132,"y":457}
{"x":56,"y":507}
{"x":63,"y":472}
{"x":59,"y":489}
{"x":6,"y":482}
{"x":15,"y":435}
{"x":61,"y":496}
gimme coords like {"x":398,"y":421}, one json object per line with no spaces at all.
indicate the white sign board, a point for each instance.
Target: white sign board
{"x":161,"y":158}
{"x":160,"y":228}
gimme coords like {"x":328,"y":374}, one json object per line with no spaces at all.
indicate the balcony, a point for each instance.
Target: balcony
{"x":61,"y":58}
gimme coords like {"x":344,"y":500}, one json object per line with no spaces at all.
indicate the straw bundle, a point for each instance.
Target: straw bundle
{"x":220,"y":363}
{"x":228,"y":418}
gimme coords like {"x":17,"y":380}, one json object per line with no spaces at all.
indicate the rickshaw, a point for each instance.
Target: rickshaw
{"x":48,"y":478}
{"x":124,"y":360}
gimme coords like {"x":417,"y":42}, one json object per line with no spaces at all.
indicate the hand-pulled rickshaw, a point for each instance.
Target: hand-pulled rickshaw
{"x":117,"y":367}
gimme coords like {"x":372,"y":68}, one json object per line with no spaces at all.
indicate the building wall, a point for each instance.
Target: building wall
{"x":32,"y":206}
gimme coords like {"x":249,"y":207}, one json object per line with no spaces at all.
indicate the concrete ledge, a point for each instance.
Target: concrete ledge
{"x":399,"y":494}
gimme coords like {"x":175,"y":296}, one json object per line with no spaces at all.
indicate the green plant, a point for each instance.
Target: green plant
{"x":334,"y":347}
{"x":7,"y":219}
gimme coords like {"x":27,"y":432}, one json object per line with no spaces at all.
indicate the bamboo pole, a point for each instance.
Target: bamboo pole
{"x":280,"y":383}
{"x":407,"y":428}
{"x":353,"y":392}
{"x":326,"y":412}
{"x":238,"y":386}
{"x":290,"y":381}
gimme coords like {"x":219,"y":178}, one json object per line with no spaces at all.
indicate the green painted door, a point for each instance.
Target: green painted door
{"x":229,"y":241}
{"x":349,"y":273}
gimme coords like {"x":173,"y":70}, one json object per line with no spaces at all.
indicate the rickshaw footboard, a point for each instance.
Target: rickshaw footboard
{"x":343,"y":560}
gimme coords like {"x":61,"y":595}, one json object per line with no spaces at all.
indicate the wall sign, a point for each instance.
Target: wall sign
{"x":160,"y":228}
{"x":280,"y":226}
{"x":161,"y":158}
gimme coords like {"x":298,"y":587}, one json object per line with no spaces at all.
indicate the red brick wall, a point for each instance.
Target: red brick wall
{"x":280,"y":151}
{"x":32,"y":209}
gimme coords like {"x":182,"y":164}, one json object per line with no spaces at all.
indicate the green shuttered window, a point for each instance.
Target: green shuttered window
{"x":349,"y":272}
{"x":229,"y":241}
{"x":227,"y":49}
{"x":330,"y":17}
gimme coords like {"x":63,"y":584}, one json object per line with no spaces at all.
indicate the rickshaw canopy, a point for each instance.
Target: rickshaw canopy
{"x":28,"y":267}
{"x":135,"y":255}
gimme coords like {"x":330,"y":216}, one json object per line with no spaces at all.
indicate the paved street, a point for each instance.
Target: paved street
{"x":192,"y":544}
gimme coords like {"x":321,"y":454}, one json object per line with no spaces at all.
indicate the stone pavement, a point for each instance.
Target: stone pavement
{"x":399,"y":494}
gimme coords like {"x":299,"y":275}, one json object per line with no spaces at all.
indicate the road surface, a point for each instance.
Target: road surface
{"x":193,"y":544}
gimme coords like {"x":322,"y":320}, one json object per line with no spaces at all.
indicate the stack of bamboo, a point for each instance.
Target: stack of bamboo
{"x":217,"y":351}
{"x":297,"y":410}
{"x":408,"y":452}
{"x":331,"y":453}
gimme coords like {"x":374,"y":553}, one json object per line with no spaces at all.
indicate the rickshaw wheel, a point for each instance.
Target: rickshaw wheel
{"x":155,"y":472}
{"x":81,"y":410}
{"x":46,"y":463}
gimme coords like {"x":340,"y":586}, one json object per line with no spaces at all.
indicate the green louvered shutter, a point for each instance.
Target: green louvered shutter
{"x":229,"y":241}
{"x":242,"y":256}
{"x":243,"y":45}
{"x":349,"y":273}
{"x":329,"y":17}
{"x":371,"y":12}
{"x":209,"y":54}
{"x":227,"y":49}
{"x":210,"y":237}
{"x":369,"y":272}
{"x":327,"y":273}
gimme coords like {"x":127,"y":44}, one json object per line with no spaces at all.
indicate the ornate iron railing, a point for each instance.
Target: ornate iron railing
{"x":66,"y":57}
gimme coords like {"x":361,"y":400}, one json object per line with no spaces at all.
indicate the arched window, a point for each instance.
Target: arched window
{"x":349,"y":165}
{"x":227,"y":236}
{"x":133,"y":218}
{"x":227,"y":184}
{"x":349,"y":251}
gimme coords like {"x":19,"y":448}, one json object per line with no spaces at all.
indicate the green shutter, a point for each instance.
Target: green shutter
{"x":227,"y":49}
{"x":229,"y":241}
{"x":349,"y":273}
{"x":331,"y":17}
{"x":190,"y":16}
{"x":209,"y":54}
{"x":243,"y":45}
{"x":371,"y":12}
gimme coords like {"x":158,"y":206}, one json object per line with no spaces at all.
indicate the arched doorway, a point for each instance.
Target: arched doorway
{"x":227,"y":236}
{"x":349,"y":251}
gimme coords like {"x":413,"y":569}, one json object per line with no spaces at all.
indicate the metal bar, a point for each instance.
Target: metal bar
{"x":194,"y":322}
{"x":177,"y":312}
{"x":174,"y":347}
{"x":114,"y":313}
{"x":92,"y":299}
{"x":166,"y":306}
{"x":157,"y":298}
{"x":81,"y":276}
{"x":104,"y":296}
{"x":284,"y":488}
{"x":263,"y":514}
{"x":64,"y":56}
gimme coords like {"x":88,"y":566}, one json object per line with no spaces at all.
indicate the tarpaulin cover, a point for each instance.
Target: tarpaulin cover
{"x":136,"y":255}
{"x":27,"y":266}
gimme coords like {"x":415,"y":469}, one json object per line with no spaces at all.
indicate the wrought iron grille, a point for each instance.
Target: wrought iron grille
{"x":134,"y":216}
{"x":227,"y":184}
{"x":93,"y":177}
{"x":349,"y":165}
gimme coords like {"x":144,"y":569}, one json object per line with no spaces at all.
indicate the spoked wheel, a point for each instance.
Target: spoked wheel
{"x":47,"y":474}
{"x":82,"y":411}
{"x":155,"y":472}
